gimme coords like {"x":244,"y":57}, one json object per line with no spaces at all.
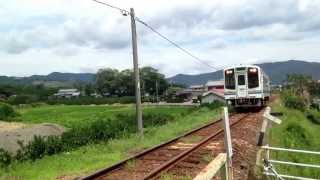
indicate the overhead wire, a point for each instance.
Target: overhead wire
{"x":125,"y":12}
{"x":175,"y":44}
{"x":112,"y":6}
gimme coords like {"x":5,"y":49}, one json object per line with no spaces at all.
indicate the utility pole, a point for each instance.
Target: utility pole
{"x":157,"y":91}
{"x":136,"y":72}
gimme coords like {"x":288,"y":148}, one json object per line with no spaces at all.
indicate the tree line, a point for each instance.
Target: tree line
{"x":121,"y":83}
{"x":108,"y":83}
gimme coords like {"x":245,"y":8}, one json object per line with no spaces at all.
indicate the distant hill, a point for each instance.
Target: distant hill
{"x":56,"y":76}
{"x":277,"y":71}
{"x":54,"y":79}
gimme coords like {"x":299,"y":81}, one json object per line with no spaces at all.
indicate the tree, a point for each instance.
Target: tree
{"x":126,"y":84}
{"x":152,"y":80}
{"x":298,"y":84}
{"x":113,"y":82}
{"x":107,"y":81}
{"x":89,"y":89}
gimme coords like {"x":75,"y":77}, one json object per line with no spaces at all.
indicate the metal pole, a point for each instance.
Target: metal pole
{"x":136,"y":72}
{"x":157,"y":91}
{"x":227,"y":143}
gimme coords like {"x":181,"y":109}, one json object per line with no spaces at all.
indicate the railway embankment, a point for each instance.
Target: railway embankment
{"x":186,"y":156}
{"x":297,"y":131}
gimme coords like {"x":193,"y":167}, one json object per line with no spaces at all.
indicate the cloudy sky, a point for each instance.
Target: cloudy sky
{"x":39,"y":37}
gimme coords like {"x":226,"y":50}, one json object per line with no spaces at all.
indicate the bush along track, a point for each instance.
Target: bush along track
{"x":122,"y":125}
{"x":299,"y":130}
{"x":7,"y":112}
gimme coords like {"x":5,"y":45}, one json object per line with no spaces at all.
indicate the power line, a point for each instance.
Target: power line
{"x":125,"y":12}
{"x":175,"y":44}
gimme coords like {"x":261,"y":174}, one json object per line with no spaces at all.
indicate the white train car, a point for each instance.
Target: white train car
{"x":246,"y":86}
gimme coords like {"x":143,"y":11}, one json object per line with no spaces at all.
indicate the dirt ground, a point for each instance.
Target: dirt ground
{"x":11,"y":133}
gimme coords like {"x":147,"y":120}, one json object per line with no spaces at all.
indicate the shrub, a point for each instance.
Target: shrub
{"x":7,"y":112}
{"x":295,"y":102}
{"x":315,"y":106}
{"x":76,"y":137}
{"x":92,"y":100}
{"x":296,"y":134}
{"x":213,"y":105}
{"x":313,"y":116}
{"x":5,"y":158}
{"x":99,"y":130}
{"x":175,"y":99}
{"x":54,"y":145}
{"x":22,"y":99}
{"x":36,"y":149}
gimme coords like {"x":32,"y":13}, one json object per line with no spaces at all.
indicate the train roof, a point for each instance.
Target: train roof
{"x":233,"y":67}
{"x":255,"y":66}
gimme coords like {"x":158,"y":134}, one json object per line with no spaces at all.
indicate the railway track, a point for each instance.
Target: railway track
{"x":177,"y":157}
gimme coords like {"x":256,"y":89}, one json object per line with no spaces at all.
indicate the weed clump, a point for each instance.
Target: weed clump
{"x":123,"y":124}
{"x":213,"y":105}
{"x":5,"y":158}
{"x":7,"y":112}
{"x":296,"y":134}
{"x":295,"y":102}
{"x":313,"y":116}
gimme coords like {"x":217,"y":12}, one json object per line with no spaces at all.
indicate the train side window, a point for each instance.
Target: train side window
{"x":241,"y":80}
{"x":253,"y":78}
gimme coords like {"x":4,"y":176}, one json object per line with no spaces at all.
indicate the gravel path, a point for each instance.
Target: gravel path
{"x":11,"y":133}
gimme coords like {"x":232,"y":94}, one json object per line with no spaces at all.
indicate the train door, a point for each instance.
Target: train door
{"x":242,"y":90}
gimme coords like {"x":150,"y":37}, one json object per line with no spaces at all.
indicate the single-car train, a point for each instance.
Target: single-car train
{"x":246,"y":86}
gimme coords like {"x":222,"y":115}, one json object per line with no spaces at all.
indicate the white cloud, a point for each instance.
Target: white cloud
{"x":77,"y":35}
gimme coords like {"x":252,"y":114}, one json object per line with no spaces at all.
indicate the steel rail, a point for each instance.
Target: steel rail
{"x":181,"y":156}
{"x":119,"y":164}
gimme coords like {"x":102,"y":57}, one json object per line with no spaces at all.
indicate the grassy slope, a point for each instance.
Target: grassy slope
{"x":92,"y":157}
{"x":295,"y":132}
{"x":72,"y":115}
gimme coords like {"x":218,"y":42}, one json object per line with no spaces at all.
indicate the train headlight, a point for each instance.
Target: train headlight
{"x":253,"y":70}
{"x":229,"y":72}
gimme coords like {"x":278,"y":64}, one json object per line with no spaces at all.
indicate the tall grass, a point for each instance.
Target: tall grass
{"x":296,"y":132}
{"x":92,"y":157}
{"x":74,"y":115}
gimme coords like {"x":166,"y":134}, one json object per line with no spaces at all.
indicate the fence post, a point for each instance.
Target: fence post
{"x":227,"y":143}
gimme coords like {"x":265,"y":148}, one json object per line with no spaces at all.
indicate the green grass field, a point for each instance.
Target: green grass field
{"x":72,"y":115}
{"x":90,"y":158}
{"x":296,"y":132}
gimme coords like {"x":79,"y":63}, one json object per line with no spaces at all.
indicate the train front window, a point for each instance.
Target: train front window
{"x":253,"y":78}
{"x":241,"y":80}
{"x":229,"y":79}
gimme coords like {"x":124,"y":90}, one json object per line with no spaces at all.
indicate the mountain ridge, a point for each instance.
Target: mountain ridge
{"x":277,"y":71}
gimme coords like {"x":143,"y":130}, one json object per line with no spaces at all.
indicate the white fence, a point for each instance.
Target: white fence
{"x":269,"y":170}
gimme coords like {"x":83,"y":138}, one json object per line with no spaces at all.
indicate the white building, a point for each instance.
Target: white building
{"x":213,"y":95}
{"x":214,"y":85}
{"x":67,"y":93}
